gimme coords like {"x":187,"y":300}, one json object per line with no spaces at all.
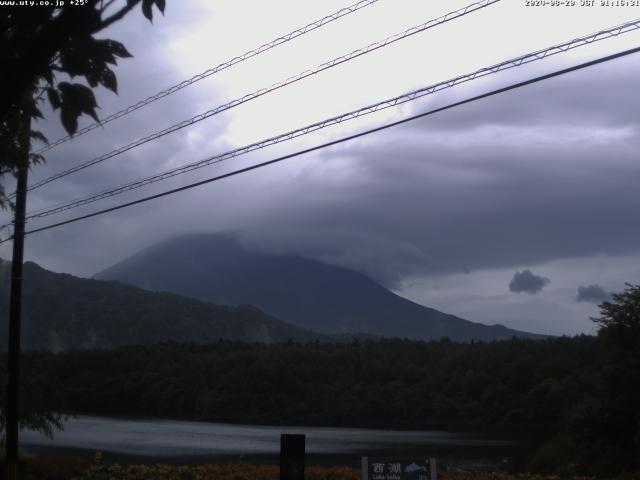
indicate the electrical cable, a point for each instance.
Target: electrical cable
{"x":398,"y":100}
{"x":258,"y":93}
{"x":207,"y":73}
{"x":341,"y":140}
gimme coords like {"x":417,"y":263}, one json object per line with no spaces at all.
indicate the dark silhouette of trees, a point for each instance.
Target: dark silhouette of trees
{"x":510,"y":384}
{"x":574,"y":400}
{"x":601,"y":433}
{"x":613,"y":431}
{"x":36,"y":44}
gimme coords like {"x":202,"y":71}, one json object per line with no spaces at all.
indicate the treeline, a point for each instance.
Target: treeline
{"x":388,"y":383}
{"x":558,"y":391}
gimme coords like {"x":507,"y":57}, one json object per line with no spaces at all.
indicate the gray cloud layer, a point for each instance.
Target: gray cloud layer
{"x":544,"y":173}
{"x":527,"y":282}
{"x":592,"y":294}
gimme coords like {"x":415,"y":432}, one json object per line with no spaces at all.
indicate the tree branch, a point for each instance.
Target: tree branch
{"x":117,"y":16}
{"x":103,"y":8}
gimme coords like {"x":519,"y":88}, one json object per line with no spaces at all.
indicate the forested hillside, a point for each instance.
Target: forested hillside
{"x":65,"y":312}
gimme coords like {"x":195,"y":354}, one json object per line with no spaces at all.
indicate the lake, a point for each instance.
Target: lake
{"x":182,"y":441}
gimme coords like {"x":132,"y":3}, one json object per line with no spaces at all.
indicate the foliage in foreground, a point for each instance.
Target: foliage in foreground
{"x":212,"y":472}
{"x":37,"y":44}
{"x":78,"y":466}
{"x":271,"y":472}
{"x":54,"y":469}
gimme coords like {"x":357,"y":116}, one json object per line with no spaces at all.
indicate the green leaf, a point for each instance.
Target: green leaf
{"x":87,"y":101}
{"x":38,"y":135}
{"x":77,"y":94}
{"x":35,"y":112}
{"x":103,"y":53}
{"x":36,"y":158}
{"x":69,"y":120}
{"x":92,"y":113}
{"x":161,"y":5}
{"x":74,"y":59}
{"x":146,"y":9}
{"x":85,"y":95}
{"x":76,"y":100}
{"x":93,"y":78}
{"x":54,"y":98}
{"x":64,"y":87}
{"x":118,"y":49}
{"x":87,"y":57}
{"x":48,"y":76}
{"x":109,"y":80}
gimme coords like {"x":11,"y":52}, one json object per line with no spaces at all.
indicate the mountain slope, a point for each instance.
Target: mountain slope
{"x":63,"y":312}
{"x":299,"y":291}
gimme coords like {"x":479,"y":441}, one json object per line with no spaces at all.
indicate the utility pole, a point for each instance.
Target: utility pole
{"x":15,"y":304}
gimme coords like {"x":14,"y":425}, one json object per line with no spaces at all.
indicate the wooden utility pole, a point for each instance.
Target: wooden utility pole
{"x":15,"y":306}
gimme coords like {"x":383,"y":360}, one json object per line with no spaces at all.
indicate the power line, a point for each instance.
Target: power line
{"x":341,"y":140}
{"x":207,"y":73}
{"x":523,"y":59}
{"x":258,"y":93}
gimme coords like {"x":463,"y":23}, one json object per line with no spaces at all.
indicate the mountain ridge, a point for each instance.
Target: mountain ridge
{"x":299,"y":291}
{"x":62,"y":312}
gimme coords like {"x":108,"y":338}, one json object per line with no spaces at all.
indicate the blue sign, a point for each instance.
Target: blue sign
{"x":395,"y":468}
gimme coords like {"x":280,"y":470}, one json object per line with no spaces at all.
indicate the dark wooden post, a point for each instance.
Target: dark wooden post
{"x":292,"y":453}
{"x":15,"y":311}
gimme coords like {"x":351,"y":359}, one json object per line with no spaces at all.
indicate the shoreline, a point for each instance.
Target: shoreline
{"x":450,"y":459}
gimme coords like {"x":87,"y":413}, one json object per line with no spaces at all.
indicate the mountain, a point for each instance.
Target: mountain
{"x":300,"y":291}
{"x":63,"y":312}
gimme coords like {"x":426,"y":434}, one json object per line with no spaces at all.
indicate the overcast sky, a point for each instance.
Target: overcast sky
{"x":521,"y":209}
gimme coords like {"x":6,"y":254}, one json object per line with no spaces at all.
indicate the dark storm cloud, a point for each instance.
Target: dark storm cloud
{"x":598,"y":95}
{"x":463,"y":202}
{"x":516,"y":179}
{"x":525,"y":281}
{"x":592,"y":294}
{"x":544,"y":173}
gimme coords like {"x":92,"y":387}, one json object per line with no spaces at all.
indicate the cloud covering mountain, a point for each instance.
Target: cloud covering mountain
{"x":533,"y":179}
{"x":306,"y":293}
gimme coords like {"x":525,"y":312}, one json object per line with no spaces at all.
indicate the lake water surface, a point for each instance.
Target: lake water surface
{"x":195,"y":441}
